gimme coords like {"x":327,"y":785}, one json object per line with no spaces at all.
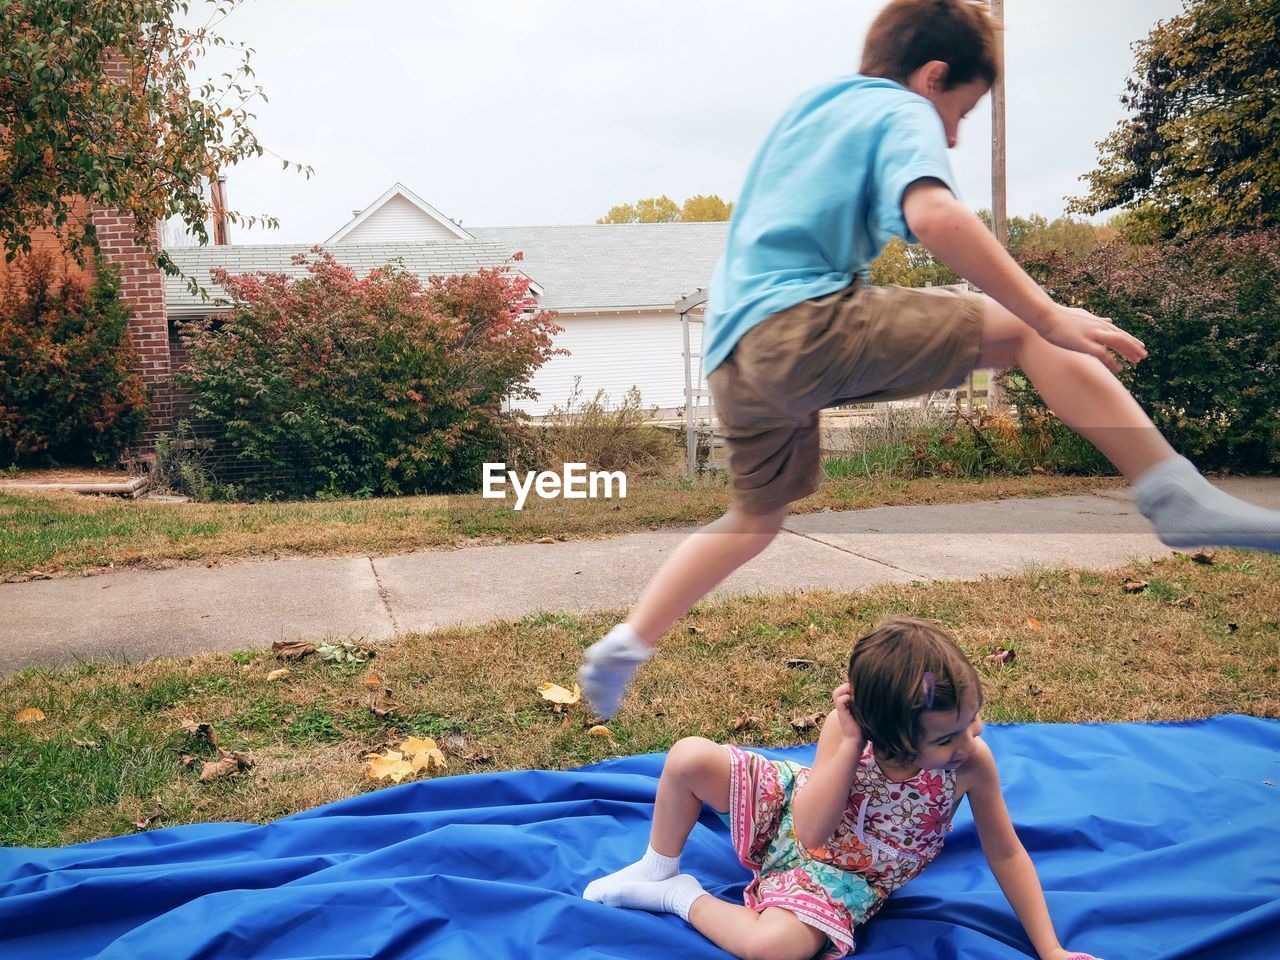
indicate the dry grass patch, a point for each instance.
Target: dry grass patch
{"x":1196,"y":641}
{"x":55,"y":534}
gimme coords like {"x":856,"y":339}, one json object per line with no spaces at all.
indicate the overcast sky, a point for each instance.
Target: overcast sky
{"x":515,"y":112}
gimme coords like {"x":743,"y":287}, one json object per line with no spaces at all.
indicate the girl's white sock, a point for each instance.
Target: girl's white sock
{"x":1188,"y":511}
{"x":675,"y":895}
{"x":652,"y":867}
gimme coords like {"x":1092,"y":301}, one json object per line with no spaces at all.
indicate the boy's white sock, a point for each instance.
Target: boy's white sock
{"x":1188,"y":511}
{"x":610,"y":662}
{"x":650,"y":868}
{"x":676,"y":895}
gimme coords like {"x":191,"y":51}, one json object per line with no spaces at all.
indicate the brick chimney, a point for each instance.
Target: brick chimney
{"x":142,"y":288}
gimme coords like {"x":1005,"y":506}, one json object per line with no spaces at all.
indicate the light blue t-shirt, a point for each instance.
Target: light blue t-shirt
{"x":822,"y":198}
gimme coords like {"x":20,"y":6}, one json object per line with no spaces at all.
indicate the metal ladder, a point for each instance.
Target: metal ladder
{"x":699,"y":413}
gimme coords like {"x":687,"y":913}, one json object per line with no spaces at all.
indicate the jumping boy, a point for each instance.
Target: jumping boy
{"x":791,"y":328}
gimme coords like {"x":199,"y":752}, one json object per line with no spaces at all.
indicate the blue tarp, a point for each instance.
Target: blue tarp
{"x":1152,"y":840}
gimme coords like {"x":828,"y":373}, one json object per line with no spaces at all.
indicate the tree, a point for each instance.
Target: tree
{"x":910,"y":265}
{"x":697,"y":209}
{"x":705,"y":209}
{"x":1200,"y":152}
{"x":96,"y":102}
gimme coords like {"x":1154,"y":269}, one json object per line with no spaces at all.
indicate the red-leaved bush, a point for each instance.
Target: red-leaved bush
{"x":69,"y":389}
{"x":1208,"y":312}
{"x":341,"y":386}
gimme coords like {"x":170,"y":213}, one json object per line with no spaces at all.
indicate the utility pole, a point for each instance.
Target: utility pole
{"x":999,"y":212}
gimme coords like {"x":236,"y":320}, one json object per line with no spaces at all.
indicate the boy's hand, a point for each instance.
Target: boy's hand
{"x":842,"y":696}
{"x":1081,"y":331}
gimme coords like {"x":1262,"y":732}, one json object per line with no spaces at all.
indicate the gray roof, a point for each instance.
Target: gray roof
{"x":421,"y":257}
{"x":615,"y":265}
{"x":592,"y":267}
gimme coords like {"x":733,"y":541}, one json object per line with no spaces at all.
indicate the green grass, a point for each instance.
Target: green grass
{"x":110,"y":752}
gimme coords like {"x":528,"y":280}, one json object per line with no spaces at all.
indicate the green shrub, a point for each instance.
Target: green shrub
{"x":182,"y":467}
{"x":339,"y":386}
{"x":603,"y":437}
{"x":69,"y":390}
{"x":1208,"y":313}
{"x":910,"y":444}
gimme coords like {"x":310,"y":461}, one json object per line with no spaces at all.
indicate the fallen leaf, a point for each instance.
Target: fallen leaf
{"x":558,"y":694}
{"x":545,"y":540}
{"x":230,"y":764}
{"x":422,"y":753}
{"x":1188,"y":601}
{"x":1000,"y":657}
{"x":744,"y":721}
{"x":371,"y":681}
{"x":456,"y":742}
{"x":696,"y":630}
{"x":202,"y":733}
{"x":390,"y":765}
{"x":1135,"y":586}
{"x":813,"y":630}
{"x":382,"y":702}
{"x":1204,"y":557}
{"x":1034,"y":691}
{"x":808,"y":722}
{"x":600,"y":730}
{"x":797,"y":663}
{"x":278,"y":674}
{"x":1034,"y":624}
{"x":1232,"y":627}
{"x":29,"y":715}
{"x":292,"y":649}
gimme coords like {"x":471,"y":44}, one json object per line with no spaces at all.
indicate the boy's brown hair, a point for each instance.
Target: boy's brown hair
{"x":887,"y":676}
{"x":910,"y":33}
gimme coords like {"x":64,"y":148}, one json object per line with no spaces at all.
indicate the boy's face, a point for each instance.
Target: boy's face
{"x":952,"y":105}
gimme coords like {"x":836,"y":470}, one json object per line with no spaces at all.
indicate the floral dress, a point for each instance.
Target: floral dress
{"x":889,"y":832}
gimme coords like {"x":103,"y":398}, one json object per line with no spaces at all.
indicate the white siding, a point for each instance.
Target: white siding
{"x":398,"y":219}
{"x":615,"y":352}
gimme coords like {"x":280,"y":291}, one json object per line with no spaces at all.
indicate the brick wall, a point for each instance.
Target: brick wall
{"x":142,"y":288}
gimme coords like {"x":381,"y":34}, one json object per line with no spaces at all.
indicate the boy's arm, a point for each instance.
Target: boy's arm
{"x":1006,"y":856}
{"x":955,"y":235}
{"x":821,"y":802}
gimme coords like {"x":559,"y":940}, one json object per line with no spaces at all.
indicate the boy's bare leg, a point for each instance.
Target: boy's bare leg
{"x":698,"y":565}
{"x":689,"y":574}
{"x":1185,"y":509}
{"x":1079,"y":389}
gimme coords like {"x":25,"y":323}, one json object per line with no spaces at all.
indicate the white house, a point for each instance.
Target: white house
{"x":613,"y":286}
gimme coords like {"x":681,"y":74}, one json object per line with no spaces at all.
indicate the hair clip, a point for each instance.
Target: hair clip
{"x":930,"y":687}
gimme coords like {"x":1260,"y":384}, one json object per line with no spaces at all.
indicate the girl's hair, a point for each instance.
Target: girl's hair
{"x":887,"y":675}
{"x":910,"y":33}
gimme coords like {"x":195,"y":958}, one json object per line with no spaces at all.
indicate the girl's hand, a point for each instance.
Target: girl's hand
{"x":1061,"y":954}
{"x":842,"y":696}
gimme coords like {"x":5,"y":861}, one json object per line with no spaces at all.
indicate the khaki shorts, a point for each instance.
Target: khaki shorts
{"x":860,"y":344}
